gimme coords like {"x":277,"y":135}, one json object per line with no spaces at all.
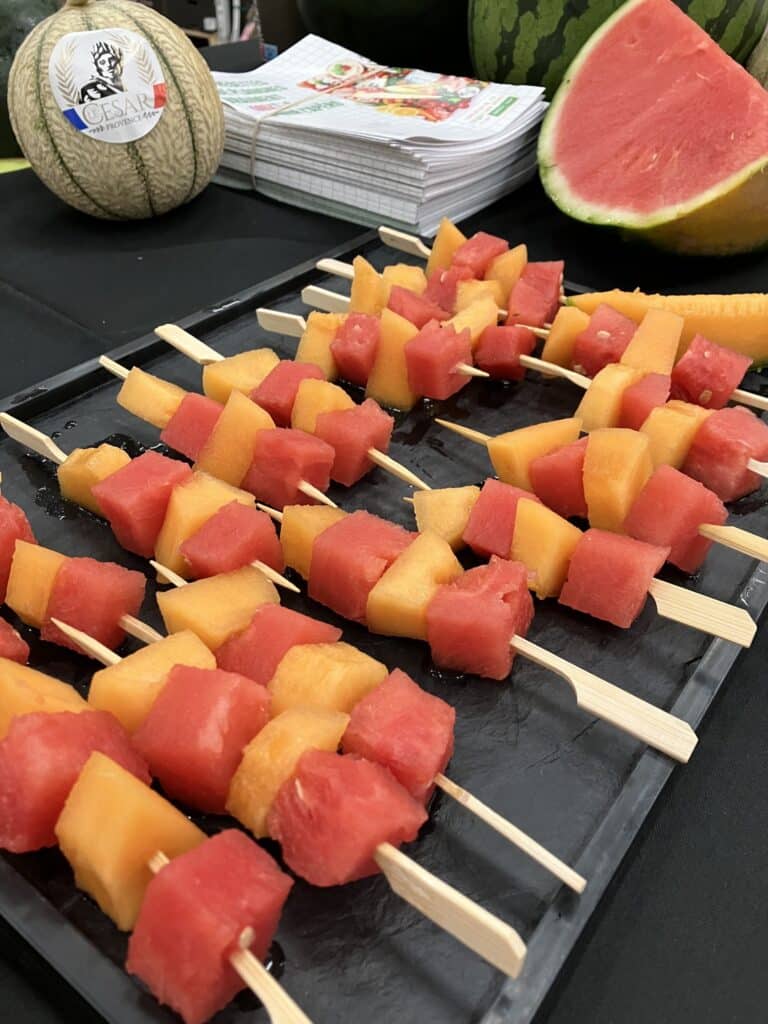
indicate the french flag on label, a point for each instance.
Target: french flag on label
{"x":159,"y":91}
{"x":74,"y":119}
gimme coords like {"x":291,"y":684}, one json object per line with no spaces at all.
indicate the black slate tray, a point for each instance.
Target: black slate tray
{"x":578,"y":785}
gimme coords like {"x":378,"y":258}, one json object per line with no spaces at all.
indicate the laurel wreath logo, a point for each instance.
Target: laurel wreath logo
{"x":64,"y":77}
{"x":137,"y":49}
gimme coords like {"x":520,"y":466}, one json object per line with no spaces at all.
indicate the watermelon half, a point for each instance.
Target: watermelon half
{"x":657,"y":131}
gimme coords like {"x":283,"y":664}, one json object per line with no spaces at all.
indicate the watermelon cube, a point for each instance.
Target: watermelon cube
{"x":708,"y":374}
{"x":471,"y":621}
{"x":277,"y":392}
{"x":234,"y":536}
{"x":609,"y":576}
{"x":12,"y":646}
{"x":282,"y":459}
{"x":491,"y":523}
{"x":603,"y":342}
{"x":355,"y":345}
{"x":350,"y":557}
{"x":722,"y":448}
{"x":500,"y":349}
{"x":419,"y":309}
{"x":195,"y":732}
{"x":640,"y":399}
{"x":404,"y":728}
{"x":135,"y":499}
{"x":194,"y":912}
{"x":557,"y":478}
{"x":352,"y":433}
{"x":432,"y":356}
{"x":527,"y":306}
{"x":40,"y":759}
{"x":335,"y":812}
{"x":93,"y":596}
{"x":14,"y":526}
{"x":547,"y":279}
{"x":478,"y":252}
{"x":191,"y":425}
{"x":669,"y":511}
{"x":442,"y":286}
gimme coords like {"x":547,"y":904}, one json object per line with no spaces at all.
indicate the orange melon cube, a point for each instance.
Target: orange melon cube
{"x":482,"y":313}
{"x":314,"y":397}
{"x":653,"y":347}
{"x":33,"y":573}
{"x":129,"y":688}
{"x":568,"y":324}
{"x":85,"y":467}
{"x":506,"y":270}
{"x":617,"y":465}
{"x":228,"y":453}
{"x":271,"y":757}
{"x":447,"y":241}
{"x":544,"y":542}
{"x":368,"y":294}
{"x":388,"y":379}
{"x":150,"y":398}
{"x":301,"y":525}
{"x":445,"y":511}
{"x":242,"y":372}
{"x":468,"y":292}
{"x":333,"y":677}
{"x":315,"y":344}
{"x":24,"y":691}
{"x":397,"y":605}
{"x":670,"y":430}
{"x":111,"y":826}
{"x":403,"y":275}
{"x":512,"y":453}
{"x":601,"y":405}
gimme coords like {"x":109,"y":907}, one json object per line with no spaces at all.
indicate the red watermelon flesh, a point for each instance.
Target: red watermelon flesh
{"x":606,"y":336}
{"x":92,"y":596}
{"x":721,"y":449}
{"x":546,"y":278}
{"x":355,"y":345}
{"x":527,"y":305}
{"x":191,"y":425}
{"x":191,"y":919}
{"x":14,"y":526}
{"x":558,"y":479}
{"x":334,"y":813}
{"x":442,"y":285}
{"x":609,"y":576}
{"x":669,"y":511}
{"x":471,"y":621}
{"x":491,"y":523}
{"x":194,"y":734}
{"x":417,"y":309}
{"x":12,"y":646}
{"x":500,"y":349}
{"x":277,"y":392}
{"x":478,"y":252}
{"x":282,"y":459}
{"x":404,"y":728}
{"x":432,"y":357}
{"x":708,"y":374}
{"x":350,"y":557}
{"x":40,"y":759}
{"x":352,"y":433}
{"x":234,"y":536}
{"x":135,"y":499}
{"x":274,"y":630}
{"x":641,"y":398}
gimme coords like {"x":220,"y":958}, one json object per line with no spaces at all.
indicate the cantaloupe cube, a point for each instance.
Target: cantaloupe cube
{"x":403,"y":275}
{"x":111,"y":826}
{"x":228,"y":453}
{"x":191,"y":505}
{"x":617,"y":465}
{"x":482,"y":313}
{"x":315,"y":344}
{"x":445,"y":511}
{"x":654,"y":344}
{"x":512,"y":453}
{"x":397,"y":605}
{"x":129,"y":689}
{"x":314,"y":397}
{"x":368,"y":292}
{"x":150,"y":398}
{"x":388,"y":380}
{"x":506,"y":269}
{"x":468,"y":292}
{"x":447,"y":241}
{"x":242,"y":372}
{"x":85,"y":467}
{"x":544,"y":542}
{"x":568,"y":324}
{"x":24,"y":691}
{"x":670,"y":430}
{"x":33,"y":573}
{"x":271,"y":757}
{"x":601,"y":404}
{"x":333,"y":677}
{"x":300,"y":527}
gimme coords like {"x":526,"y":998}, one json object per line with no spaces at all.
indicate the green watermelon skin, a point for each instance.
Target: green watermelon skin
{"x":534,"y":41}
{"x":17,"y":19}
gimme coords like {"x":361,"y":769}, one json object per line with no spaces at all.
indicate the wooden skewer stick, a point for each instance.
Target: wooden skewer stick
{"x":337,"y":268}
{"x":403,"y":242}
{"x":273,"y":513}
{"x":335,"y":302}
{"x":761,"y":468}
{"x":88,"y":645}
{"x":718,"y":618}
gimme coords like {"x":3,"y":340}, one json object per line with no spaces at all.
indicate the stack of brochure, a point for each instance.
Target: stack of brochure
{"x":324,"y":128}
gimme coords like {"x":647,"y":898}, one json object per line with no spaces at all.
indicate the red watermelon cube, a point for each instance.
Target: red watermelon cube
{"x":92,"y":596}
{"x":432,"y":357}
{"x":547,"y":279}
{"x":355,"y":345}
{"x":491,"y":523}
{"x":417,"y":309}
{"x":352,"y":433}
{"x":442,"y":285}
{"x":558,"y":479}
{"x":14,"y":526}
{"x":234,"y":536}
{"x":641,"y":398}
{"x":191,"y":919}
{"x":350,"y":557}
{"x":12,"y":646}
{"x":669,"y":511}
{"x":274,"y":630}
{"x":722,"y":448}
{"x":607,"y":335}
{"x":404,"y":728}
{"x":335,"y":812}
{"x":708,"y":374}
{"x":277,"y":392}
{"x":527,"y":306}
{"x":191,"y":425}
{"x":478,"y":252}
{"x":282,"y":459}
{"x":40,"y":759}
{"x":609,"y":576}
{"x":135,"y":499}
{"x":500,"y":349}
{"x":471,"y":621}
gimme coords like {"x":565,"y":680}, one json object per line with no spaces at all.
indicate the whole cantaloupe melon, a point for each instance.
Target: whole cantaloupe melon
{"x":115,"y":109}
